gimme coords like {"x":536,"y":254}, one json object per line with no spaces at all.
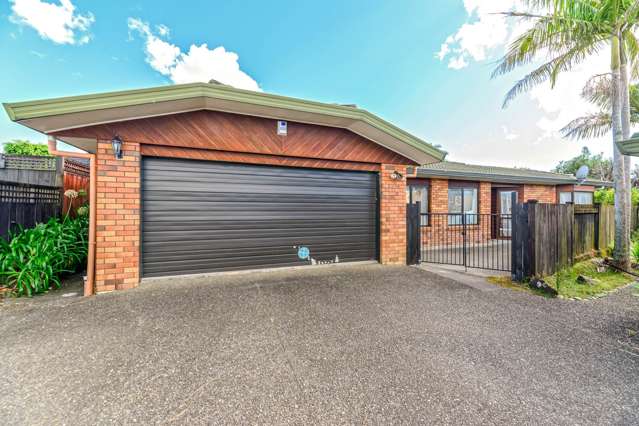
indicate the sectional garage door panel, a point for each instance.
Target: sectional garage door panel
{"x":200,"y":216}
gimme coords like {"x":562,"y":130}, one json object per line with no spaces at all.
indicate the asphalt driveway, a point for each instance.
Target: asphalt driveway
{"x":355,"y":344}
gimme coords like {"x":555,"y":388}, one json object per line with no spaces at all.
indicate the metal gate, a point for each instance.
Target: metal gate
{"x":471,"y":240}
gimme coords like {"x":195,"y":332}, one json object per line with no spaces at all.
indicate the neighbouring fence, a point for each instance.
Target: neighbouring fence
{"x":548,"y":237}
{"x":76,"y":177}
{"x":25,"y":206}
{"x":31,"y":189}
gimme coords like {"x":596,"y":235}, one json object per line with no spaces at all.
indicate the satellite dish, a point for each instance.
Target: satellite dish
{"x":582,"y":174}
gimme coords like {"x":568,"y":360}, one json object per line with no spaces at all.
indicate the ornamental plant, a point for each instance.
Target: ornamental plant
{"x":33,"y":259}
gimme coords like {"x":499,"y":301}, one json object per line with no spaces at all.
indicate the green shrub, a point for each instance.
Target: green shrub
{"x":33,"y":260}
{"x":22,"y":147}
{"x":634,"y":251}
{"x":607,"y":196}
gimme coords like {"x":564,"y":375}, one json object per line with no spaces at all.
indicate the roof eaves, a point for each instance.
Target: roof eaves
{"x":58,"y":106}
{"x":498,"y":178}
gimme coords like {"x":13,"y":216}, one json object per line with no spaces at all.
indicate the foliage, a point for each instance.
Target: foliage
{"x":634,"y":251}
{"x":33,"y":260}
{"x":598,"y":92}
{"x":565,"y":281}
{"x":600,"y":167}
{"x":23,"y":147}
{"x":607,"y":196}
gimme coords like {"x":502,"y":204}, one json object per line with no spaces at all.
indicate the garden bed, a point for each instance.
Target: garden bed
{"x":583,"y":280}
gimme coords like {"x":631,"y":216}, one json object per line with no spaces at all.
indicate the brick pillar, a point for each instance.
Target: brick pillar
{"x":118,"y":217}
{"x":392,"y":216}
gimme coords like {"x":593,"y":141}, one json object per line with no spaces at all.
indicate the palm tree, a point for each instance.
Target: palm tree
{"x":597,"y":91}
{"x":565,"y":33}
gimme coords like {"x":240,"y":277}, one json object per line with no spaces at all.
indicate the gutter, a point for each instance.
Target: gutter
{"x":89,"y":284}
{"x":507,"y":179}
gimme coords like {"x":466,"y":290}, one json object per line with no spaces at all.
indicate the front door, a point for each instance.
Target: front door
{"x":505,"y":211}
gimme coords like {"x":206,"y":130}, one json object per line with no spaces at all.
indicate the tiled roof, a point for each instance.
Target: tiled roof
{"x":457,"y":170}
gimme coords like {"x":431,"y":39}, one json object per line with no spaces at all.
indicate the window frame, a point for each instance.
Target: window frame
{"x":463,"y":186}
{"x":565,"y":192}
{"x":420,"y":184}
{"x":592,"y":196}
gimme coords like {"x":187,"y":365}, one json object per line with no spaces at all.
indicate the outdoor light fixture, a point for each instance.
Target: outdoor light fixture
{"x":116,"y":143}
{"x":396,"y":175}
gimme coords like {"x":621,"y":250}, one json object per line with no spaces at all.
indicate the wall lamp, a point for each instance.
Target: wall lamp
{"x":396,"y":175}
{"x":116,"y":143}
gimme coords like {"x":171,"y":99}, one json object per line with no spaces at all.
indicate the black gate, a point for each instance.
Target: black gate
{"x":471,"y":240}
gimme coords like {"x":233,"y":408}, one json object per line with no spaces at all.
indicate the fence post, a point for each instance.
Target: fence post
{"x":520,"y":241}
{"x":413,"y":233}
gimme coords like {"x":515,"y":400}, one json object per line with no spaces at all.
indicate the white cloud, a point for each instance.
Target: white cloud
{"x":198,"y":64}
{"x":485,"y":31}
{"x":57,"y":22}
{"x":508,"y":134}
{"x":457,"y":63}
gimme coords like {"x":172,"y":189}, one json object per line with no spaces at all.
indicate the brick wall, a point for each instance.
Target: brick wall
{"x":541,"y":193}
{"x":439,"y":232}
{"x":118,"y":218}
{"x":392,"y":216}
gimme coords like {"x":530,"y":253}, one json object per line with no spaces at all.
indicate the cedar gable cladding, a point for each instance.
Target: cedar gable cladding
{"x":220,"y":131}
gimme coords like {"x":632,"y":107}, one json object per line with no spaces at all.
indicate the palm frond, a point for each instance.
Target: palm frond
{"x":588,"y":127}
{"x":550,"y":70}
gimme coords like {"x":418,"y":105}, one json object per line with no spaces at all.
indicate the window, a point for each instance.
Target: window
{"x":462,"y":199}
{"x":577,"y":197}
{"x":418,"y":194}
{"x":565,"y":197}
{"x":583,"y":197}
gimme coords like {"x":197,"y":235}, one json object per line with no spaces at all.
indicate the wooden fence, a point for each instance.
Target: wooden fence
{"x":548,"y":237}
{"x":25,"y":206}
{"x":31,"y":189}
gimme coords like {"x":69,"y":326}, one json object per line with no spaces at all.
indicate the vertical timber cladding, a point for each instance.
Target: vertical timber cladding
{"x":202,"y":216}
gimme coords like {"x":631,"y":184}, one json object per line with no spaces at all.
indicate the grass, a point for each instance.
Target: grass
{"x":565,"y":281}
{"x":506,"y":282}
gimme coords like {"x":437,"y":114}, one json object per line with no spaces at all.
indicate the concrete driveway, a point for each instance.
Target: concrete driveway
{"x":349,"y":344}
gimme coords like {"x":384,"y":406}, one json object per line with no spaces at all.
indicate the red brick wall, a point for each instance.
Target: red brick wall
{"x":118,"y":217}
{"x":392,"y":216}
{"x":541,"y":193}
{"x":439,"y":232}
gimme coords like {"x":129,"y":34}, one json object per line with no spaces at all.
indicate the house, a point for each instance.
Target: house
{"x":447,"y":189}
{"x":202,"y":177}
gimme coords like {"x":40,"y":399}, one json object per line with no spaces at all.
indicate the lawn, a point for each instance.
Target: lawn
{"x":567,"y":284}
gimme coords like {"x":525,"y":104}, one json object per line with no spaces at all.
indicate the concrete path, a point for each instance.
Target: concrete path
{"x":365,"y":344}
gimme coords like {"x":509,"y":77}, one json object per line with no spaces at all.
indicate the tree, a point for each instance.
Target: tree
{"x":600,"y":167}
{"x":565,"y":33}
{"x":597,"y":91}
{"x":24,"y":147}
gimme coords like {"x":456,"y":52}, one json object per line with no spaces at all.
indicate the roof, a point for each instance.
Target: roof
{"x":451,"y":169}
{"x":630,"y":146}
{"x":54,"y":115}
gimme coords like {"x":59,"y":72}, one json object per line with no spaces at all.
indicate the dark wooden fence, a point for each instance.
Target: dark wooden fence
{"x":548,"y":237}
{"x":25,"y":206}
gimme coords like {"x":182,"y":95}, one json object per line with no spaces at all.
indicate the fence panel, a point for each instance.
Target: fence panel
{"x":26,"y":206}
{"x":585,"y":230}
{"x":606,"y":233}
{"x":75,"y":182}
{"x":552,"y":235}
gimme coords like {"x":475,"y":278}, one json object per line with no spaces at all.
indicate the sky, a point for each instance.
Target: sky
{"x":425,"y":66}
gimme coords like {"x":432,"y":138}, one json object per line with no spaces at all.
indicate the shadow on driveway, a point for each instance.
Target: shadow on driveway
{"x":353,"y":344}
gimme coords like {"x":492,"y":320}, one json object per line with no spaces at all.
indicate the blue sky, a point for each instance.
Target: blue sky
{"x":380,"y":55}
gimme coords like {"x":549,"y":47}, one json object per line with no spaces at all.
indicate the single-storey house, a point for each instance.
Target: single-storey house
{"x":202,"y":177}
{"x":484,"y":194}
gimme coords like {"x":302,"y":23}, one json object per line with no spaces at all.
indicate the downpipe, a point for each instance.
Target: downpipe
{"x":89,"y":284}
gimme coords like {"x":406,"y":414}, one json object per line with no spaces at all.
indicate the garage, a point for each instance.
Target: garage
{"x":201,"y":216}
{"x":203,"y":177}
